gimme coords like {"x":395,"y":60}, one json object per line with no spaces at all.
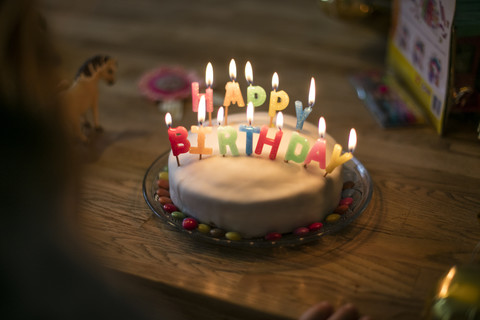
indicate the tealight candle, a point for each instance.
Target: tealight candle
{"x":255,"y":94}
{"x":249,"y":130}
{"x":302,"y":114}
{"x":232,"y":90}
{"x":227,"y":136}
{"x":208,"y":93}
{"x":178,"y":138}
{"x":200,"y":149}
{"x":318,"y":150}
{"x":338,"y":159}
{"x":278,"y":99}
{"x":275,"y":143}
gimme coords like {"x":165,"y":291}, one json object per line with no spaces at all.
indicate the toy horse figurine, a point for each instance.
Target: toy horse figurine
{"x":83,"y":93}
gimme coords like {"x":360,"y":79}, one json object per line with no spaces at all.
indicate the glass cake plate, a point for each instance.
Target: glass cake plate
{"x":354,"y":171}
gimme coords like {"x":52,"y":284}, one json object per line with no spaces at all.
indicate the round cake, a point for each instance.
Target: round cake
{"x":254,"y":195}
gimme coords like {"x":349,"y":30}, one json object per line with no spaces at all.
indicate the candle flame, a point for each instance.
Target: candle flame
{"x":352,"y":140}
{"x":201,"y":110}
{"x":446,"y":282}
{"x":275,"y":81}
{"x":233,"y":70}
{"x":220,"y":116}
{"x":250,"y":113}
{"x":311,"y":93}
{"x":209,"y":75}
{"x":168,"y":119}
{"x":279,"y":120}
{"x":249,"y":72}
{"x":322,"y":127}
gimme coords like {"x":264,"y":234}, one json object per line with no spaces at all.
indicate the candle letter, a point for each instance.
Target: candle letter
{"x":318,"y":151}
{"x":278,"y":99}
{"x":227,"y":136}
{"x":275,"y":143}
{"x":297,"y":141}
{"x":255,"y":94}
{"x":249,"y":130}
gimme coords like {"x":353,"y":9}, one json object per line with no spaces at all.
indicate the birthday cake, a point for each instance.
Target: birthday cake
{"x":253,"y":195}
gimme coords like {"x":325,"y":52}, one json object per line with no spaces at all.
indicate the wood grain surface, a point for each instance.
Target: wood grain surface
{"x":423,"y":215}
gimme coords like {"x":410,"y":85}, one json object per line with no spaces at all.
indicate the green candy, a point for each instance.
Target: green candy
{"x":178,"y":215}
{"x":235,"y":236}
{"x":165,"y":168}
{"x":203,"y":228}
{"x":163,"y":175}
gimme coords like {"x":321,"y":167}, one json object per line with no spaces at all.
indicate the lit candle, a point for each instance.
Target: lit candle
{"x":178,"y":138}
{"x":249,"y":130}
{"x":208,"y":93}
{"x":275,"y":143}
{"x":200,"y":149}
{"x":227,"y":136}
{"x":255,"y":94}
{"x":338,"y":159}
{"x":302,"y":114}
{"x":318,"y":151}
{"x":278,"y":99}
{"x":232,"y":91}
{"x":293,"y":153}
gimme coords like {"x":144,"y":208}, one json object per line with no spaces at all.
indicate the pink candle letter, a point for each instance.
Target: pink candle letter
{"x":318,"y":150}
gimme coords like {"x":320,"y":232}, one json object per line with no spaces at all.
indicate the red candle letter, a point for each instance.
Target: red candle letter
{"x":263,"y":140}
{"x":178,"y":140}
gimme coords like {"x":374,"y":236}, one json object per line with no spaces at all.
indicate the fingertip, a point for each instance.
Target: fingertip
{"x":319,"y":311}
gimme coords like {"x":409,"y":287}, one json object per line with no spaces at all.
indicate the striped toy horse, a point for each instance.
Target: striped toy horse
{"x":82,"y":95}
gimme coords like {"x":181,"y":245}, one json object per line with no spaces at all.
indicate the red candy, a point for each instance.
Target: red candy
{"x":163,"y":184}
{"x":301,"y":231}
{"x":346,"y":201}
{"x":189,"y":223}
{"x":163,"y":192}
{"x":170,"y":207}
{"x":315,"y":226}
{"x":272,"y":236}
{"x":341,"y":209}
{"x":164,"y":200}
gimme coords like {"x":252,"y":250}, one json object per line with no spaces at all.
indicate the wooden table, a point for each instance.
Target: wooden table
{"x":423,"y":215}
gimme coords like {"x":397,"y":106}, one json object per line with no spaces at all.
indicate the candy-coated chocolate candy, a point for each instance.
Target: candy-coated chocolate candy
{"x":348,"y":185}
{"x":204,"y":228}
{"x":165,"y":168}
{"x":315,"y":226}
{"x":189,"y":223}
{"x":273,"y":236}
{"x":301,"y":231}
{"x":233,"y":236}
{"x":346,"y":201}
{"x":170,"y":207}
{"x":217,"y":233}
{"x":163,"y":184}
{"x":178,"y":215}
{"x":163,"y":175}
{"x":163,"y":192}
{"x":341,"y":209}
{"x":332,"y":217}
{"x":164,"y":200}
